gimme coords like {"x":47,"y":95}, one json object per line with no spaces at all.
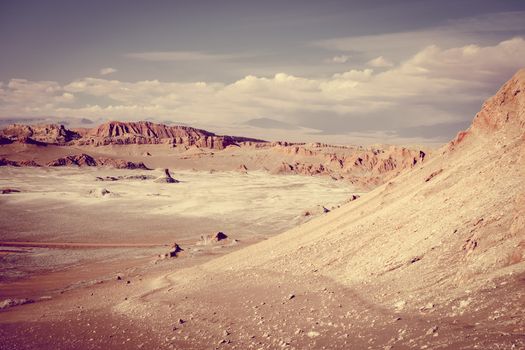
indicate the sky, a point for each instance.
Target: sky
{"x":396,"y":71}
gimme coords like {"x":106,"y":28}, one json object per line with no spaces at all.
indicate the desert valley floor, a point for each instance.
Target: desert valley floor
{"x":138,"y":217}
{"x":325,"y":247}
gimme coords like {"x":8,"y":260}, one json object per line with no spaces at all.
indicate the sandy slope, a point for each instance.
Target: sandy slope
{"x":432,"y":259}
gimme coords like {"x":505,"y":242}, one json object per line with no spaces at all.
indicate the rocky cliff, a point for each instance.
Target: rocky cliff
{"x":37,"y":134}
{"x":501,"y":116}
{"x":122,"y":133}
{"x":362,"y":166}
{"x":118,"y":133}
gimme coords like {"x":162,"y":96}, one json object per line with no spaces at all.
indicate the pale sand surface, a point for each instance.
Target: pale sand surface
{"x":56,"y":222}
{"x":55,"y":204}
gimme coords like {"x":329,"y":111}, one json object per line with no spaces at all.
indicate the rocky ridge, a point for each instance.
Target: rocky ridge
{"x":80,"y":160}
{"x":363,"y":166}
{"x":435,"y":258}
{"x":119,"y":133}
{"x":38,"y":134}
{"x":142,"y":132}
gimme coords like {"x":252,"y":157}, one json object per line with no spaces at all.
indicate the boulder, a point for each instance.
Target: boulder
{"x":166,"y":178}
{"x":175,"y":250}
{"x":219,"y":236}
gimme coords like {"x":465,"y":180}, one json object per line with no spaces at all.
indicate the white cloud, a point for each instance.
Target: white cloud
{"x":425,"y":89}
{"x":454,"y":33}
{"x":487,"y":64}
{"x":380,"y":62}
{"x":24,"y":97}
{"x":173,"y":56}
{"x":107,"y":71}
{"x":339,"y":59}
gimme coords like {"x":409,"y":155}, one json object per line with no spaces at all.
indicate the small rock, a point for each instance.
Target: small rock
{"x":400,"y":305}
{"x":428,"y":306}
{"x":464,"y":303}
{"x":353,"y":197}
{"x":175,"y":250}
{"x":415,"y":259}
{"x":243,"y":169}
{"x":219,"y":236}
{"x":234,"y":242}
{"x":8,"y":190}
{"x":432,"y":330}
{"x":313,"y":334}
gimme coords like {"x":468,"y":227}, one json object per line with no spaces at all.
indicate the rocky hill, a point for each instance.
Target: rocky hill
{"x":86,"y":160}
{"x":119,"y":133}
{"x":435,"y":258}
{"x":501,"y":118}
{"x":364,"y":166}
{"x":37,"y":134}
{"x":122,"y":133}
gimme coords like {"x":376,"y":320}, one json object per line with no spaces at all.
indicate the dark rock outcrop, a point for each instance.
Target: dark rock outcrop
{"x":166,"y":178}
{"x":87,"y":160}
{"x":175,"y":250}
{"x":78,"y":160}
{"x":17,"y":163}
{"x":8,"y":190}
